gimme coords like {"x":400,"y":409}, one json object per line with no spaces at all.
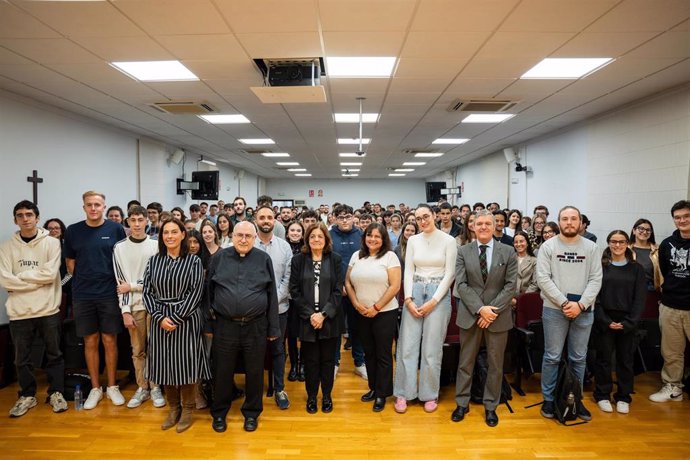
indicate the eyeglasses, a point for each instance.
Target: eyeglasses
{"x":618,"y":243}
{"x":422,"y":218}
{"x":344,"y":217}
{"x":644,"y":230}
{"x":683,"y":217}
{"x":548,"y":232}
{"x":243,"y":236}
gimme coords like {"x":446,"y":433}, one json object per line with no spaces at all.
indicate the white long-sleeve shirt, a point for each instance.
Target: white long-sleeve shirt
{"x":130,"y":259}
{"x":431,"y":256}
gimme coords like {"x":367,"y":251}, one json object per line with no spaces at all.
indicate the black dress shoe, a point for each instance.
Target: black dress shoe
{"x":300,"y":373}
{"x":292,"y":375}
{"x":219,"y":425}
{"x":379,"y":404}
{"x":491,"y":418}
{"x":459,"y":413}
{"x":326,"y":405}
{"x":368,"y":396}
{"x":250,"y":424}
{"x":311,"y":406}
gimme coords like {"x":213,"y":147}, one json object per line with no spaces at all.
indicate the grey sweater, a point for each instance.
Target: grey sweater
{"x":568,"y":269}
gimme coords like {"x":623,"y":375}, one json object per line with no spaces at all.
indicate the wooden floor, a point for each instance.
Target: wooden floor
{"x":352,"y":431}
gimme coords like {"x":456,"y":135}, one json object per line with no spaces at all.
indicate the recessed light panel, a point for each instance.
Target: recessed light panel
{"x":275,"y":154}
{"x":404,"y":169}
{"x":450,"y":141}
{"x":350,"y":163}
{"x":360,"y":67}
{"x":566,"y":68}
{"x":287,"y":163}
{"x":353,"y":141}
{"x":155,"y":70}
{"x":350,"y":170}
{"x":414,"y":163}
{"x":351,"y":155}
{"x":297,"y":169}
{"x":224,"y":119}
{"x":302,"y":175}
{"x":428,"y":154}
{"x":354,"y":117}
{"x":488,"y":117}
{"x":396,"y":174}
{"x":257,"y":141}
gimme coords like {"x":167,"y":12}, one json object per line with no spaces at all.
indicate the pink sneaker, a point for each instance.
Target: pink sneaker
{"x":430,"y":406}
{"x":400,"y":405}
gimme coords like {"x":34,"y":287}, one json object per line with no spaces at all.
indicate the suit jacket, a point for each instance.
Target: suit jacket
{"x":526,"y":277}
{"x":330,"y":295}
{"x":497,"y":291}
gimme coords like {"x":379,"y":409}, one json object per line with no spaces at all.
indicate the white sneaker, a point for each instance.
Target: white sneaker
{"x":362,"y":371}
{"x":335,"y":371}
{"x":114,"y":395}
{"x":57,"y":402}
{"x":622,"y":407}
{"x":605,"y":405}
{"x":95,"y":396}
{"x":139,"y":397}
{"x":669,"y":392}
{"x":22,"y":406}
{"x":157,"y":397}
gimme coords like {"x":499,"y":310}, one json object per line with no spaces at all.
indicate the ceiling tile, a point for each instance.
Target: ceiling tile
{"x":15,"y":23}
{"x":440,"y":69}
{"x":669,"y":45}
{"x":466,"y":15}
{"x":555,"y":16}
{"x":478,"y":87}
{"x":49,"y":51}
{"x":456,"y":45}
{"x":281,"y":45}
{"x":248,"y":16}
{"x":363,"y":43}
{"x":242,"y":69}
{"x":643,"y":16}
{"x":203,"y":47}
{"x":528,"y":44}
{"x":357,"y":85}
{"x":174,"y":17}
{"x":125,"y":48}
{"x":602,"y":44}
{"x":355,"y":15}
{"x":497,"y":68}
{"x":416,"y":85}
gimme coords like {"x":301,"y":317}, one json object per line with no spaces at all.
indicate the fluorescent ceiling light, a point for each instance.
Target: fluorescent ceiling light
{"x":414,"y":163}
{"x":488,"y":117}
{"x":257,"y":141}
{"x":297,"y":169}
{"x":155,"y":70}
{"x":353,"y":141}
{"x":350,"y":170}
{"x":354,"y":117}
{"x":276,"y":154}
{"x":404,"y":169}
{"x":303,"y":175}
{"x":350,"y":163}
{"x":360,"y":67}
{"x":224,"y":119}
{"x":566,"y":68}
{"x":351,"y":155}
{"x":449,"y":141}
{"x":287,"y":163}
{"x":428,"y":154}
{"x":350,"y":175}
{"x":208,"y":162}
{"x":396,"y":175}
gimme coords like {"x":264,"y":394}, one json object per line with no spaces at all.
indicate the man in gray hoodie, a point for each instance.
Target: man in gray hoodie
{"x":569,"y":275}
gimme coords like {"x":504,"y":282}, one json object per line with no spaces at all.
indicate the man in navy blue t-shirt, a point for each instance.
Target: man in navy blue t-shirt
{"x":89,"y":258}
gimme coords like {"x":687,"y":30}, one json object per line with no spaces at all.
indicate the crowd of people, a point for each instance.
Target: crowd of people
{"x":207,"y":296}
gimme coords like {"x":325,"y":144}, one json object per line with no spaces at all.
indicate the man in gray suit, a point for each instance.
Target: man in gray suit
{"x":485,"y":282}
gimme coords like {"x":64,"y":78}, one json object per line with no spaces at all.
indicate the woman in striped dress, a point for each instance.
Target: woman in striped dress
{"x":173,"y":287}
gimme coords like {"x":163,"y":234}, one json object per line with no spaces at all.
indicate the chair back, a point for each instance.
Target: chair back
{"x":528,"y":309}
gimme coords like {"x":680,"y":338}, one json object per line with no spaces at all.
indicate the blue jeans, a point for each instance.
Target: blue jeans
{"x":277,"y":348}
{"x":423,"y":336}
{"x":558,"y":328}
{"x":357,"y":348}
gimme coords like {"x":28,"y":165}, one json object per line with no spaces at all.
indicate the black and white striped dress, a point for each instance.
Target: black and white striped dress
{"x":173,"y":288}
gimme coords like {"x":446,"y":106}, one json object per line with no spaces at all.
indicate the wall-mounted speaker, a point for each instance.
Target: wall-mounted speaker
{"x":510,"y":154}
{"x":177,"y":156}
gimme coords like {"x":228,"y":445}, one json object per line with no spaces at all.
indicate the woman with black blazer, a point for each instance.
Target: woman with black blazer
{"x":316,"y":286}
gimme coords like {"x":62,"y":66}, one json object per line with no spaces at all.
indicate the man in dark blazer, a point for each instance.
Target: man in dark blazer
{"x":485,"y":283}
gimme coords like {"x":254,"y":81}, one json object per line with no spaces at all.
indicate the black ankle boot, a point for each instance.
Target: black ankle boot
{"x":300,"y":373}
{"x":292,"y":375}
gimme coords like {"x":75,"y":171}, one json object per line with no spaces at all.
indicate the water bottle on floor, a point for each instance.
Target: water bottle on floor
{"x":78,"y":398}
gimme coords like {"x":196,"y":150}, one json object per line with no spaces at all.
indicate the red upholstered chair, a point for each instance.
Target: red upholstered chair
{"x":528,"y":311}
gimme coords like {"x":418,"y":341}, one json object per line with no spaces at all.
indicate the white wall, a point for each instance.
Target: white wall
{"x":73,"y":155}
{"x":484,"y":180}
{"x":633,"y":162}
{"x":353,"y":191}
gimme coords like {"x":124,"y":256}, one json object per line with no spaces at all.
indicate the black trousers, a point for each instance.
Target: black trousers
{"x":230,"y":340}
{"x":606,"y":342}
{"x":23,"y":331}
{"x":319,"y":365}
{"x":377,"y":336}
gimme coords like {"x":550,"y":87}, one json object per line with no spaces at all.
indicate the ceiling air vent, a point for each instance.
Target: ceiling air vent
{"x":480,"y":105}
{"x":183,"y":107}
{"x":255,"y":151}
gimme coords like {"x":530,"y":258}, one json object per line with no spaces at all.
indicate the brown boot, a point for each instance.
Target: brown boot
{"x":187,"y":394}
{"x":199,"y":398}
{"x":172,"y":394}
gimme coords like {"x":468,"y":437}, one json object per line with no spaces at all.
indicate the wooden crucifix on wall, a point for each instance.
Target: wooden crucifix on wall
{"x":36,"y":180}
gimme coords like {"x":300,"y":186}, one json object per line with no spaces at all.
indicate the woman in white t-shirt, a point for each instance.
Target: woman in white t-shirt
{"x":372,"y":281}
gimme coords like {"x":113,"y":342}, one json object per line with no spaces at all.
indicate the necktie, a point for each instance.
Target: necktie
{"x":482,"y":261}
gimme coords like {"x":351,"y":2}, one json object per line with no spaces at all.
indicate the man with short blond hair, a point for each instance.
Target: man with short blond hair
{"x":89,"y":258}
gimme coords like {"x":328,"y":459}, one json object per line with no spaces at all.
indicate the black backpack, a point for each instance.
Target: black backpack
{"x":568,"y":395}
{"x":481,"y":370}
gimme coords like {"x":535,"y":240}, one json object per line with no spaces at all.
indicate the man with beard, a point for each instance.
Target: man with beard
{"x":285,"y":216}
{"x":239,"y":204}
{"x":281,"y":255}
{"x":569,"y":275}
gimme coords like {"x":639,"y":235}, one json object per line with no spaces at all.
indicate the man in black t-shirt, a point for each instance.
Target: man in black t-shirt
{"x":89,"y":258}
